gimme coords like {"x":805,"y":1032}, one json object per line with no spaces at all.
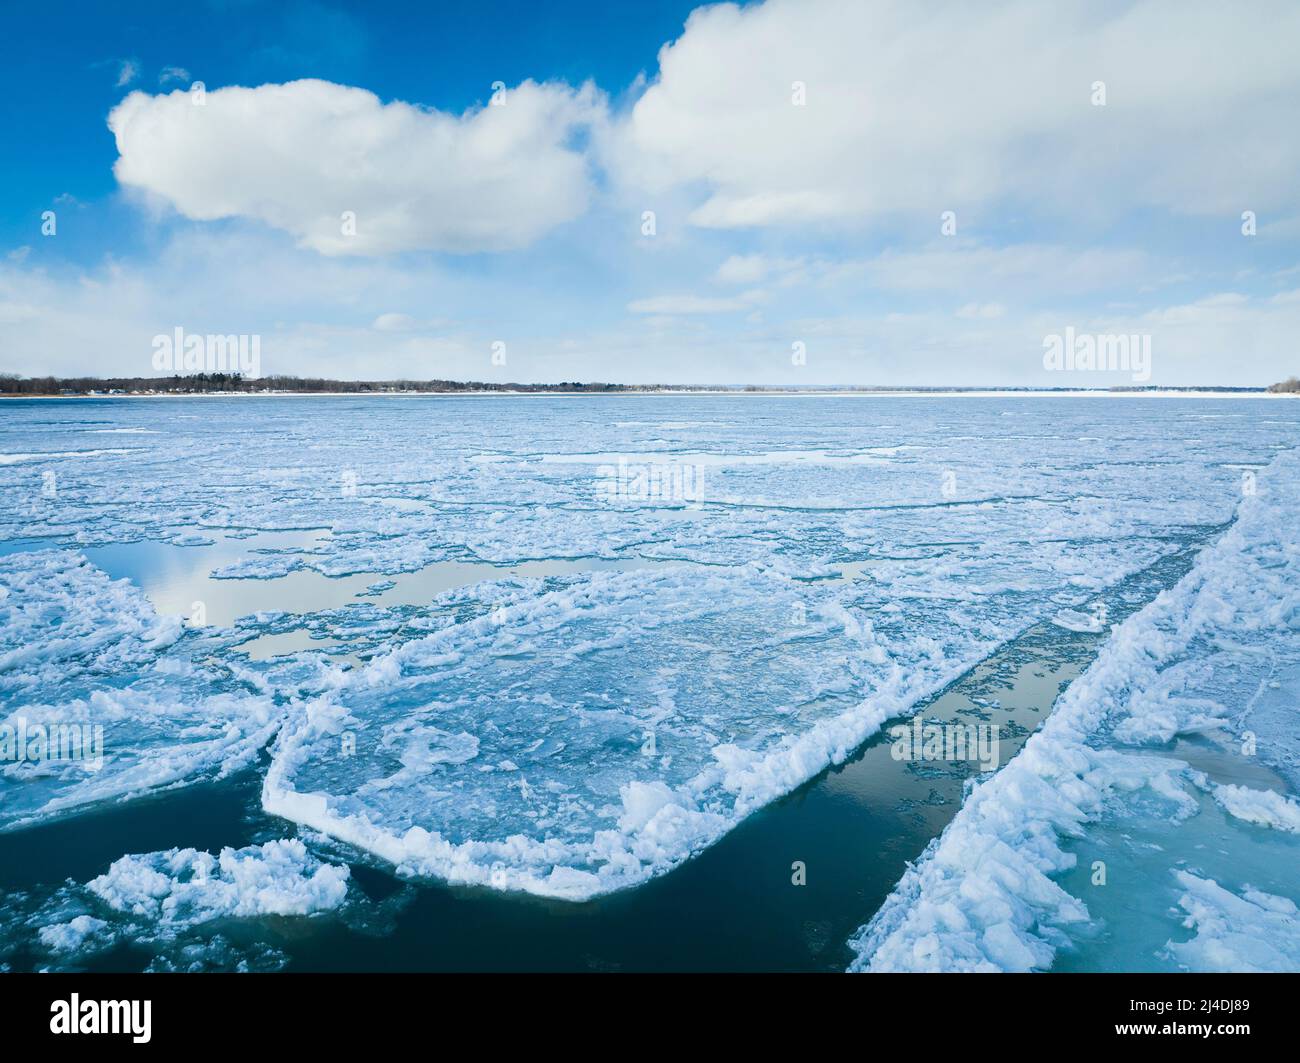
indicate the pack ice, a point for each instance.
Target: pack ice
{"x":106,"y":699}
{"x":566,"y":735}
{"x":1115,"y":839}
{"x":577,"y":741}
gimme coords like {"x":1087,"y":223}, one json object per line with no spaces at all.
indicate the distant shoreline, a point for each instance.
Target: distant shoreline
{"x":229,"y":384}
{"x":751,"y":392}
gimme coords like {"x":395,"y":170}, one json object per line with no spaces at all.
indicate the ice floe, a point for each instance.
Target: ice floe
{"x":496,"y":677}
{"x":582,"y":740}
{"x":987,"y":895}
{"x":183,"y":905}
{"x":1250,"y":932}
{"x":100,"y":698}
{"x":182,"y":887}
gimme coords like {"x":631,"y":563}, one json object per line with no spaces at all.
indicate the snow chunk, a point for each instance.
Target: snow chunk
{"x":1267,"y":808}
{"x":72,"y":935}
{"x":183,"y":887}
{"x":1251,"y":932}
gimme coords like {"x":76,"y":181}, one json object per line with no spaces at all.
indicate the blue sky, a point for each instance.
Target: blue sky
{"x":842,"y":191}
{"x":59,"y":88}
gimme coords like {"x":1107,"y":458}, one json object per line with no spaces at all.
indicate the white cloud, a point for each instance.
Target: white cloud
{"x":939,"y":106}
{"x":946,"y":265}
{"x":322,"y":316}
{"x":985,"y":311}
{"x":911,"y":110}
{"x":173,"y":73}
{"x":127,"y":71}
{"x":985,"y":270}
{"x":752,"y":269}
{"x":298,"y":156}
{"x":690,"y":304}
{"x":12,"y":313}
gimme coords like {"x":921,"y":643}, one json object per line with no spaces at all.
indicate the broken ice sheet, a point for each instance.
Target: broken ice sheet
{"x":106,"y":699}
{"x":581,"y":740}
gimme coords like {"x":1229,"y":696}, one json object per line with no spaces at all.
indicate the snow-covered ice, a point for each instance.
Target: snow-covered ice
{"x":183,"y":886}
{"x":987,"y":895}
{"x":490,"y":670}
{"x":577,"y":741}
{"x":182,"y":904}
{"x":136,"y":696}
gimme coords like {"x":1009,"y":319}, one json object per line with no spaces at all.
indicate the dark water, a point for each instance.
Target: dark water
{"x":734,"y":907}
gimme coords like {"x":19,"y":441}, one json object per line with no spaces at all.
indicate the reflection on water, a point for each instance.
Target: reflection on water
{"x":264,"y":647}
{"x":1014,"y":690}
{"x":174,"y":578}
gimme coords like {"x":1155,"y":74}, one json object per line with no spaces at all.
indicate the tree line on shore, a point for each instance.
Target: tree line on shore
{"x":226,"y":383}
{"x":222,"y":383}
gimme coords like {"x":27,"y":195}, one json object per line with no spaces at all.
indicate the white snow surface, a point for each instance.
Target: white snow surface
{"x":78,"y":650}
{"x":575,"y":729}
{"x":1253,"y":932}
{"x":986,"y":894}
{"x":183,"y":887}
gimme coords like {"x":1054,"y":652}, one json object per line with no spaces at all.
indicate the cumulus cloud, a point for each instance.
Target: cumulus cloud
{"x":797,"y":111}
{"x":908,"y":110}
{"x":345,"y":173}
